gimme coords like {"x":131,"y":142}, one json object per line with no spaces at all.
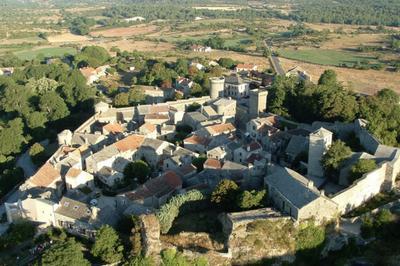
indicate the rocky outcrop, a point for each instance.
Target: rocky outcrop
{"x":150,"y":233}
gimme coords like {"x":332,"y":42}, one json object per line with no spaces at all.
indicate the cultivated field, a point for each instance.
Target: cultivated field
{"x":144,"y":46}
{"x":67,"y":37}
{"x":325,"y":57}
{"x":364,"y":81}
{"x":125,"y":31}
{"x":46,"y":52}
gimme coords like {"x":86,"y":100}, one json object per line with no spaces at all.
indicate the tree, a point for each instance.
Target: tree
{"x":53,"y":105}
{"x":138,"y":170}
{"x":362,"y":167}
{"x":19,"y":232}
{"x":136,"y":96}
{"x":121,"y":99}
{"x":139,"y":261}
{"x":64,"y":253}
{"x":199,"y":163}
{"x":182,"y":67}
{"x":250,"y":199}
{"x":329,"y":77}
{"x":35,"y":120}
{"x":15,"y":98}
{"x":107,"y":245}
{"x":193,"y":107}
{"x":227,"y":62}
{"x":11,"y":137}
{"x":93,"y":56}
{"x":37,"y":153}
{"x":332,"y":160}
{"x":42,"y":85}
{"x":225,"y":194}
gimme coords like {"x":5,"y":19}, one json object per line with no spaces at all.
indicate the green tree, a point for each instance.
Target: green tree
{"x":193,"y":107}
{"x":139,"y":261}
{"x":172,"y":257}
{"x":11,"y":137}
{"x":136,"y":96}
{"x":362,"y":167}
{"x":121,"y":99}
{"x":225,"y":194}
{"x":228,"y":63}
{"x":196,"y":90}
{"x":93,"y":56}
{"x":19,"y":232}
{"x":182,"y":67}
{"x":37,"y":153}
{"x":53,"y":105}
{"x":199,"y":163}
{"x":329,"y":77}
{"x":35,"y":120}
{"x":64,"y":253}
{"x":42,"y":85}
{"x":107,"y":245}
{"x":250,"y":199}
{"x":138,"y":170}
{"x":15,"y":98}
{"x":332,"y":160}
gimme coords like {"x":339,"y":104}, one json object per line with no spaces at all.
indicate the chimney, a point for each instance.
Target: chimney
{"x":95,"y":212}
{"x":310,"y":184}
{"x":322,"y":192}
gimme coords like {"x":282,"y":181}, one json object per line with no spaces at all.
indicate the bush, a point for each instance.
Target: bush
{"x":225,"y":194}
{"x":250,"y":199}
{"x":362,"y":167}
{"x":310,"y":237}
{"x":168,"y":212}
{"x":107,"y":245}
{"x":37,"y":153}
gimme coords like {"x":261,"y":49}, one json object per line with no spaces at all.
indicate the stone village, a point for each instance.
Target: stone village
{"x":239,"y":140}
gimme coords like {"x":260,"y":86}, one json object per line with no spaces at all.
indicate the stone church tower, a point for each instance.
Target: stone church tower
{"x":320,"y":141}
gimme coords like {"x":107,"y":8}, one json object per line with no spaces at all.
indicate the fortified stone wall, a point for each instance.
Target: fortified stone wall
{"x":362,"y":190}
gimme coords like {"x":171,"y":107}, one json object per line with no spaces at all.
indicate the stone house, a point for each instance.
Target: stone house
{"x":297,"y":196}
{"x":235,"y":87}
{"x":196,"y":143}
{"x":241,"y":154}
{"x":77,"y":178}
{"x":217,"y":153}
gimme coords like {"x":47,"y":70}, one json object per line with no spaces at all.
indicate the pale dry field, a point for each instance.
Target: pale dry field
{"x":262,"y":62}
{"x":223,"y":8}
{"x":143,"y":46}
{"x":125,"y":31}
{"x":67,"y":37}
{"x":364,"y":81}
{"x":354,"y":41}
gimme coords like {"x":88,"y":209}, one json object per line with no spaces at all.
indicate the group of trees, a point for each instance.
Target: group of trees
{"x":137,"y":171}
{"x":36,"y":101}
{"x":366,"y":12}
{"x":329,"y":101}
{"x":229,"y":197}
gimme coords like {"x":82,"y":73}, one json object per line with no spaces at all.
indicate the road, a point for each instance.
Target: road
{"x":276,"y":64}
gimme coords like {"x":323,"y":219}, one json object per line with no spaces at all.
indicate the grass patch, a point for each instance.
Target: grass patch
{"x":46,"y":52}
{"x":326,"y":57}
{"x":377,"y":201}
{"x":197,"y":222}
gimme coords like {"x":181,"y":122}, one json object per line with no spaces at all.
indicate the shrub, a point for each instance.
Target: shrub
{"x":168,"y":212}
{"x":250,"y":199}
{"x":225,"y":194}
{"x":362,"y":167}
{"x":37,"y":154}
{"x":310,"y":237}
{"x":107,"y":245}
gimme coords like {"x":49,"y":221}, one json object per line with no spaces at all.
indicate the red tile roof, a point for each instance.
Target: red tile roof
{"x":212,"y":163}
{"x":45,"y":176}
{"x":220,"y":128}
{"x":114,"y":128}
{"x":195,"y":139}
{"x":73,"y":172}
{"x":132,"y":142}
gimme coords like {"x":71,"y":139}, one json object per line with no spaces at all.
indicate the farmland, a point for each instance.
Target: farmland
{"x":325,"y":57}
{"x":45,"y":52}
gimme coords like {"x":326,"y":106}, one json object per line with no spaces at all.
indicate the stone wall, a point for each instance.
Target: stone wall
{"x":367,"y":140}
{"x":150,"y":233}
{"x":362,"y":190}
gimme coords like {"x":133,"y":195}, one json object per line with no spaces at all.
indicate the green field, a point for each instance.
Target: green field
{"x":46,"y":52}
{"x":326,"y":57}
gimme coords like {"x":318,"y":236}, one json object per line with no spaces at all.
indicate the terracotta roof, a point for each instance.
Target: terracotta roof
{"x":114,"y":128}
{"x":172,"y":179}
{"x":45,"y":176}
{"x":197,"y":140}
{"x":154,"y":109}
{"x":148,"y":127}
{"x":212,"y":163}
{"x":156,"y":116}
{"x":73,"y":172}
{"x":220,"y":128}
{"x":132,"y":142}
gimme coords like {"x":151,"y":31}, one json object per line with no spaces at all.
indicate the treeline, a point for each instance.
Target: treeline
{"x":330,"y":101}
{"x":181,"y":12}
{"x":356,"y":12}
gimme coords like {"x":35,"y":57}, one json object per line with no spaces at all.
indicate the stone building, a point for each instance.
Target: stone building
{"x":320,"y":141}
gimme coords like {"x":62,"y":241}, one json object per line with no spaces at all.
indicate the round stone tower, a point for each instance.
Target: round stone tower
{"x":217,"y":87}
